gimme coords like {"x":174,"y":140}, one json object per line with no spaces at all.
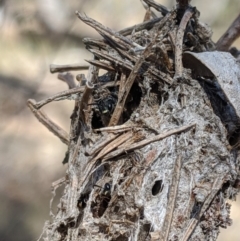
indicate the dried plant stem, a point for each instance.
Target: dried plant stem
{"x":107,"y":33}
{"x":101,"y":65}
{"x":63,"y":68}
{"x":115,"y":129}
{"x":172,"y":199}
{"x":139,"y":27}
{"x":160,"y":8}
{"x":217,"y":185}
{"x":86,"y":99}
{"x":179,"y":42}
{"x":114,"y":144}
{"x":69,"y":94}
{"x":227,"y":39}
{"x":148,"y":141}
{"x":51,"y":126}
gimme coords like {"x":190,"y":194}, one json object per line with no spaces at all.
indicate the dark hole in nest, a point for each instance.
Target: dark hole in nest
{"x":157,"y":187}
{"x":104,"y":106}
{"x":147,"y":227}
{"x":141,"y":213}
{"x":62,"y":229}
{"x":234,"y":139}
{"x":196,"y":210}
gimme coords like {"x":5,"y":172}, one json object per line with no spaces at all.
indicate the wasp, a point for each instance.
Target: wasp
{"x":104,"y":104}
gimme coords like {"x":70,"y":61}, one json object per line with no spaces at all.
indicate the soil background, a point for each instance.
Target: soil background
{"x":35,"y":34}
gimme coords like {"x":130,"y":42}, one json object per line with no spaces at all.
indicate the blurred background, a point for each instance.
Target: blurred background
{"x":35,"y":34}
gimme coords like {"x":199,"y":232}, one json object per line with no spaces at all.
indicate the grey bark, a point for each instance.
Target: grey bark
{"x":166,"y":170}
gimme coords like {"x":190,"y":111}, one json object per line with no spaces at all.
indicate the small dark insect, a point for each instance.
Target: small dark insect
{"x":106,"y":105}
{"x":100,"y":204}
{"x":107,"y":189}
{"x":82,"y":201}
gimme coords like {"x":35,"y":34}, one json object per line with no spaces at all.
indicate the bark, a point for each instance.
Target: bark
{"x":149,"y":155}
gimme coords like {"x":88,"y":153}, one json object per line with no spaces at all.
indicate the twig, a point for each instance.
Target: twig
{"x":51,"y":126}
{"x":149,"y":13}
{"x":171,"y":199}
{"x":85,"y":101}
{"x":68,"y":94}
{"x":116,"y":61}
{"x":233,"y":32}
{"x":217,"y":185}
{"x":179,"y":43}
{"x":148,"y":141}
{"x":115,"y":129}
{"x":107,"y":33}
{"x":160,"y":8}
{"x":60,"y":96}
{"x":58,"y":183}
{"x":95,"y":42}
{"x":139,"y":27}
{"x":164,"y":54}
{"x":114,"y":144}
{"x":105,"y":140}
{"x":68,"y":79}
{"x":101,"y":65}
{"x":63,"y":68}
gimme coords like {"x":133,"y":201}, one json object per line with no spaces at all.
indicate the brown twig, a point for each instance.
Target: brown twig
{"x":113,"y":144}
{"x":116,"y":61}
{"x":148,"y":141}
{"x":63,"y":68}
{"x":51,"y":126}
{"x":179,"y":43}
{"x":149,"y":13}
{"x":86,"y":99}
{"x":107,"y":33}
{"x":217,"y":185}
{"x":69,"y":94}
{"x":116,"y":129}
{"x":100,"y":144}
{"x":160,"y":8}
{"x":60,"y":96}
{"x":233,"y":32}
{"x":172,"y":199}
{"x":101,"y":65}
{"x":139,"y":27}
{"x":95,"y":42}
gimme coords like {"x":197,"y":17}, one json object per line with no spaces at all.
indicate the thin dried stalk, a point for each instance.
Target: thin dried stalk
{"x":160,"y":8}
{"x":115,"y":37}
{"x":63,"y":68}
{"x":233,"y":32}
{"x":179,"y":43}
{"x":217,"y":185}
{"x":148,"y":141}
{"x":172,"y":199}
{"x":51,"y":126}
{"x":139,"y":27}
{"x":101,"y":65}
